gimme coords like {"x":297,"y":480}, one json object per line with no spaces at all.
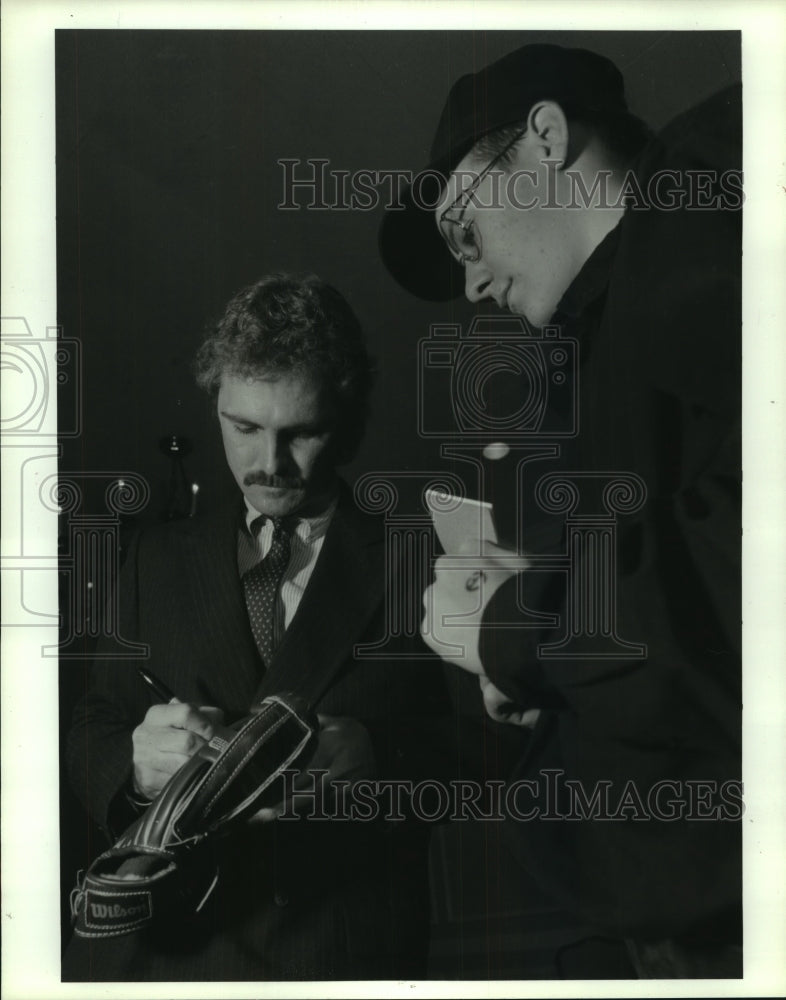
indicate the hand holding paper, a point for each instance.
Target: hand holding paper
{"x":455,"y":602}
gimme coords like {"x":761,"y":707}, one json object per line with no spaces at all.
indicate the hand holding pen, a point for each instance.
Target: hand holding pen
{"x":157,"y":686}
{"x":171,"y":732}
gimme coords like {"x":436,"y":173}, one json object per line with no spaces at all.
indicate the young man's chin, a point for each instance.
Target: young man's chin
{"x":276,"y":501}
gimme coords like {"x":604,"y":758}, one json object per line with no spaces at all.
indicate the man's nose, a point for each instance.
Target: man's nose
{"x":273,"y":453}
{"x":477,"y":281}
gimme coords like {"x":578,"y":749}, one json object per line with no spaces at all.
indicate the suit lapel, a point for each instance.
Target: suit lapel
{"x":217,"y":596}
{"x":345,"y":590}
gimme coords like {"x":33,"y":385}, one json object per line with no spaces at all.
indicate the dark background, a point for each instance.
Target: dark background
{"x":167,"y":195}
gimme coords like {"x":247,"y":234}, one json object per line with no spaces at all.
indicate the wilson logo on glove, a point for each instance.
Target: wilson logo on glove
{"x":153,"y":871}
{"x":101,"y":915}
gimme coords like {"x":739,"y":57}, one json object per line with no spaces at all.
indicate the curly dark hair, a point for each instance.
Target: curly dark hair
{"x":285,"y":324}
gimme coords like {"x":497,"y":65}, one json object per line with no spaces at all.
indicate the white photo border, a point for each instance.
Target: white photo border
{"x":30,"y":910}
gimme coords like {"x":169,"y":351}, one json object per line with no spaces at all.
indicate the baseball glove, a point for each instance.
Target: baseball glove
{"x":161,"y":868}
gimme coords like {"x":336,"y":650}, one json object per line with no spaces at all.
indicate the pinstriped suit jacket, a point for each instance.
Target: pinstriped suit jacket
{"x":298,"y":900}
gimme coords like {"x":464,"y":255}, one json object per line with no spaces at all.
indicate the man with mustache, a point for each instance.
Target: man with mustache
{"x":546,"y":197}
{"x":289,"y":372}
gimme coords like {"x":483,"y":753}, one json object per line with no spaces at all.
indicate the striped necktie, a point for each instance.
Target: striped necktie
{"x":260,"y":586}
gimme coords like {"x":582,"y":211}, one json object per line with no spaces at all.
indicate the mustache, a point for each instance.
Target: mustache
{"x":278,"y":482}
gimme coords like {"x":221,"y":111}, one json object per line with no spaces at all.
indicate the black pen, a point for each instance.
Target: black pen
{"x":156,"y":685}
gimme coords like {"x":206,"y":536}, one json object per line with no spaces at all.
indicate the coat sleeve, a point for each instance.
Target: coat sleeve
{"x":98,"y":745}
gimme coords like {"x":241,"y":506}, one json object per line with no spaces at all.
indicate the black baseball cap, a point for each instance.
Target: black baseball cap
{"x":478,"y":103}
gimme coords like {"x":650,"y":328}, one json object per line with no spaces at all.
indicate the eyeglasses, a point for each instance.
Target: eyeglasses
{"x":462,"y":238}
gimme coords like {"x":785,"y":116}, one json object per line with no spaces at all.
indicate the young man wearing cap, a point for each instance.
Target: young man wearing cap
{"x":546,"y":197}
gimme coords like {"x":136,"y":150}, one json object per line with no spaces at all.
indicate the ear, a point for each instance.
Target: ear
{"x":548,"y":132}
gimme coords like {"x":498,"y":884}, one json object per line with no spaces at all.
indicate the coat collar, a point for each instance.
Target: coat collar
{"x":209,"y":544}
{"x":345,"y":590}
{"x":592,"y":280}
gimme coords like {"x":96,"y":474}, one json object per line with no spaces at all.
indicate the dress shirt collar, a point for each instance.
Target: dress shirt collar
{"x":307,"y":529}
